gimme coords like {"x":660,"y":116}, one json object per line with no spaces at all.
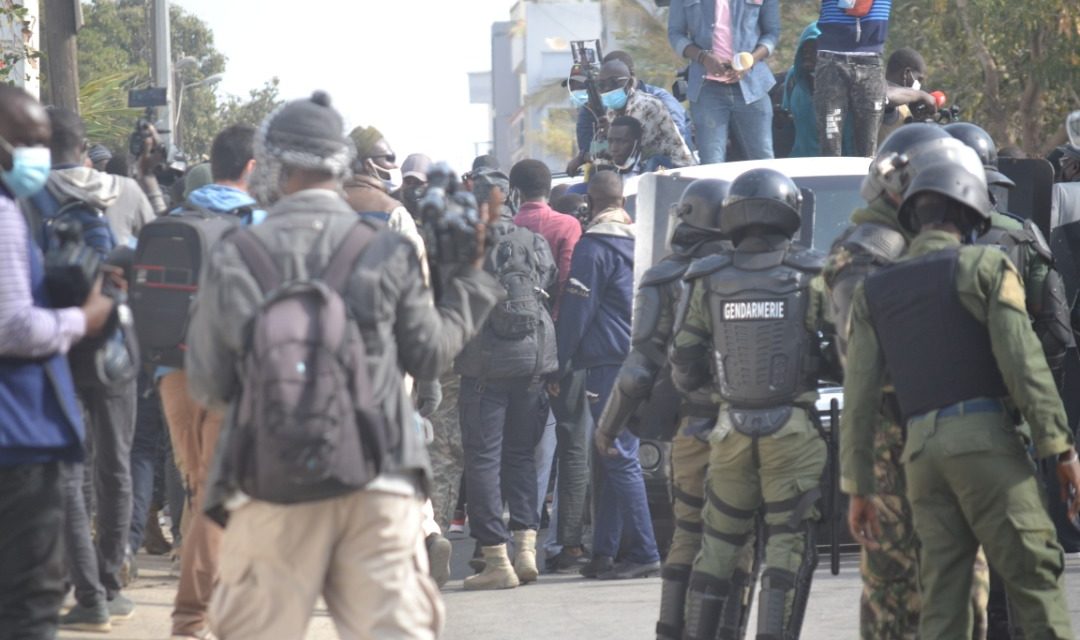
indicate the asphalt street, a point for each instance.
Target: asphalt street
{"x":558,"y":606}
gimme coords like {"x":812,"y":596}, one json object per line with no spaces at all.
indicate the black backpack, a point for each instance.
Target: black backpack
{"x":516,"y":262}
{"x":171,"y":253}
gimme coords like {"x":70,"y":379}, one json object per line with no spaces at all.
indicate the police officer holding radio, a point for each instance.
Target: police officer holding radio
{"x":948,"y":324}
{"x":766,"y":449}
{"x":643,"y":390}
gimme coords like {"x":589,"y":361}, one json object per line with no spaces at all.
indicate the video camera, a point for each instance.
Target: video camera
{"x":939,"y":114}
{"x":449,"y":218}
{"x":149,"y":100}
{"x":71,"y":271}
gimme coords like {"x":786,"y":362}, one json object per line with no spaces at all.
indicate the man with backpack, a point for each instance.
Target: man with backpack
{"x":501,"y":396}
{"x":161,"y":306}
{"x":82,"y":208}
{"x":322,"y":466}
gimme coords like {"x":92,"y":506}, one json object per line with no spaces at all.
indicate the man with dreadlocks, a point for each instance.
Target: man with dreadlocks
{"x":360,"y":549}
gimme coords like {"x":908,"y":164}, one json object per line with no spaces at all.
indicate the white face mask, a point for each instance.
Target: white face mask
{"x":390,"y":177}
{"x":916,"y":85}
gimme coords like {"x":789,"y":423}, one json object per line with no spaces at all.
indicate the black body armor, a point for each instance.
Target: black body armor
{"x":937,"y":353}
{"x":764,"y":356}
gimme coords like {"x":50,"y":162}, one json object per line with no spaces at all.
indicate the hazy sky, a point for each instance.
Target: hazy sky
{"x":400,"y":65}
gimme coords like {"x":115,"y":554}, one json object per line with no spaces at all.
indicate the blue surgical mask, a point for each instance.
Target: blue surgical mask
{"x":579,"y":98}
{"x":614,"y":99}
{"x":29,"y":169}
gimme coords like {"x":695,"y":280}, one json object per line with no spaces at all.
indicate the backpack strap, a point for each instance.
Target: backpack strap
{"x":337,"y":272}
{"x":255,"y":254}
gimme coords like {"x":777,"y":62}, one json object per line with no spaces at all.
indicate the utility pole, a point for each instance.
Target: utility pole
{"x":62,"y":21}
{"x":163,"y":76}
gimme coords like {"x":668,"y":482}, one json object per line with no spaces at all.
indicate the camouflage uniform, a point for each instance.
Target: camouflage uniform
{"x":447,"y":454}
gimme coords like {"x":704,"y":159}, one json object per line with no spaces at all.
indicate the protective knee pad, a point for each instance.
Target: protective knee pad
{"x":676,"y":578}
{"x":705,"y":598}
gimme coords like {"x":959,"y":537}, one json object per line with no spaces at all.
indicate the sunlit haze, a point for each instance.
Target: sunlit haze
{"x":401,"y":65}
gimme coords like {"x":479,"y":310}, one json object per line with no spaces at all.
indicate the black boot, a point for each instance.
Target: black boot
{"x":672,"y":601}
{"x":705,"y":598}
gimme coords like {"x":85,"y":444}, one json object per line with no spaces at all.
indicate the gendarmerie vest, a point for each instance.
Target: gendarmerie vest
{"x":936,"y":352}
{"x":764,"y":355}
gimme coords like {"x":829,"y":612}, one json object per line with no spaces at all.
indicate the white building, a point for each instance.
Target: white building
{"x":17,"y":38}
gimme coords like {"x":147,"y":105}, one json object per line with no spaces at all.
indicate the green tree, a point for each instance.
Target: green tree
{"x":1013,"y":68}
{"x":115,"y":53}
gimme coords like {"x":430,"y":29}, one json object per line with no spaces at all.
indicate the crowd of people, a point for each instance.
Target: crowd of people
{"x":320,"y":362}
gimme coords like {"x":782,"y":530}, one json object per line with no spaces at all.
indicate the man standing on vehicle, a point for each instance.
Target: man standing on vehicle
{"x":362,"y":550}
{"x":766,"y":449}
{"x":729,"y":91}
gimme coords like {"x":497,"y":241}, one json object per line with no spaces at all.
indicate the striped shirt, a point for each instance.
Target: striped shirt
{"x":28,"y":331}
{"x":848,"y":34}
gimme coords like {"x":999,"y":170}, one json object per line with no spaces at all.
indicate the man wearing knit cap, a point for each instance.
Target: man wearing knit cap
{"x":362,"y":550}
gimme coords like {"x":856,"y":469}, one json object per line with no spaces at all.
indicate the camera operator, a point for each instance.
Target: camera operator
{"x":41,"y":428}
{"x":904,"y":74}
{"x":150,"y":155}
{"x":81,"y":208}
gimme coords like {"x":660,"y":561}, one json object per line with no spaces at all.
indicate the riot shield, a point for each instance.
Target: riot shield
{"x":1065,"y":245}
{"x":656,"y":193}
{"x":806,"y":217}
{"x":1032,"y":196}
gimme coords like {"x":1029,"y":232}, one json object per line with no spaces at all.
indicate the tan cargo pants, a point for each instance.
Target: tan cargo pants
{"x":194,"y":433}
{"x":362,"y":552}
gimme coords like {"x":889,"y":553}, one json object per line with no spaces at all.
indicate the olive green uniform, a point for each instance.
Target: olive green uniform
{"x":969,"y":478}
{"x":890,"y":603}
{"x":781,"y":471}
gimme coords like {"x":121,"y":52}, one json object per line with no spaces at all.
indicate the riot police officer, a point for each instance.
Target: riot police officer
{"x":644,"y":393}
{"x":948,"y":326}
{"x":1044,"y":291}
{"x":749,"y":334}
{"x":890,"y":601}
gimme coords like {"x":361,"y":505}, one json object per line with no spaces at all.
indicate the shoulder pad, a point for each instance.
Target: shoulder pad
{"x":804,"y":259}
{"x":1012,"y":216}
{"x":665,"y":271}
{"x":876,"y":240}
{"x":1038,"y":240}
{"x":704,"y":266}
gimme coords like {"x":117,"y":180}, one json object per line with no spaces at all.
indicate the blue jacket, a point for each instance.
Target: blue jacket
{"x":586,"y":121}
{"x":843,"y":33}
{"x":39,"y":418}
{"x":594,"y":312}
{"x":753,"y":23}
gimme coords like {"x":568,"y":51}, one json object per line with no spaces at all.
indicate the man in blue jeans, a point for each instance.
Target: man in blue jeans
{"x":594,"y":335}
{"x":723,"y":91}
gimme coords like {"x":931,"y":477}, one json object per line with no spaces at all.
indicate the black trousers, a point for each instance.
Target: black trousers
{"x":31,"y":551}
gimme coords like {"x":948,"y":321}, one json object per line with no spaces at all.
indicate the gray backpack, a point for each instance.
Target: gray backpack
{"x":306,"y":419}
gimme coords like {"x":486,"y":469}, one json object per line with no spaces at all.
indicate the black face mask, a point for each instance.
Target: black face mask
{"x":412,"y":195}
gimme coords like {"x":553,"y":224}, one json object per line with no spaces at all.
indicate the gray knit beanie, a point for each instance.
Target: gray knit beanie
{"x":307,"y":134}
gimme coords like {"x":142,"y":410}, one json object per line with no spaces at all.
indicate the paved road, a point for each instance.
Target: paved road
{"x":563,"y":607}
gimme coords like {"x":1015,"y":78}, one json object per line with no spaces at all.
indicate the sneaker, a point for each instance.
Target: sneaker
{"x":80,"y":618}
{"x":129,"y":571}
{"x":154,"y":539}
{"x":457,"y":523}
{"x":628,"y":570}
{"x":596,"y":566}
{"x":565,"y":562}
{"x":121,"y":608}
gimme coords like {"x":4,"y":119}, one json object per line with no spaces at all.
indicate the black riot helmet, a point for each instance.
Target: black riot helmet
{"x":762,"y":197}
{"x":961,"y":190}
{"x":886,"y":175}
{"x":978,"y":139}
{"x":702,"y":202}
